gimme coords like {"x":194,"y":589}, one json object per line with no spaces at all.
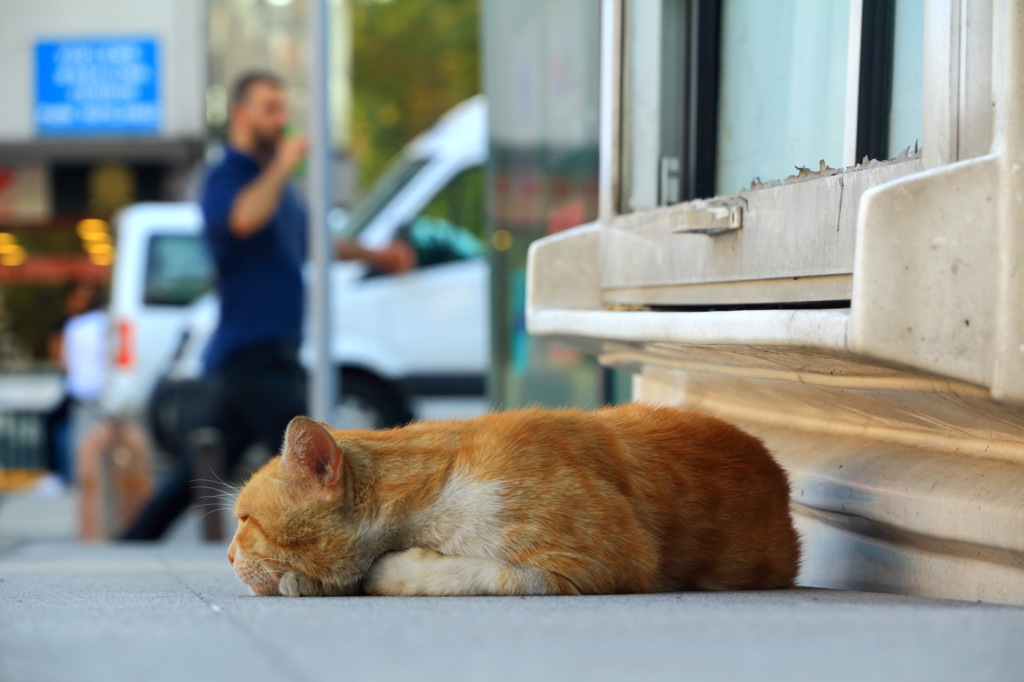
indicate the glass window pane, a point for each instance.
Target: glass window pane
{"x":654,"y":73}
{"x":908,"y":63}
{"x":783,"y":88}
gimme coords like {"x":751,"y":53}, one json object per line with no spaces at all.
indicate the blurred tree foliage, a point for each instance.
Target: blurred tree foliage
{"x":412,"y":61}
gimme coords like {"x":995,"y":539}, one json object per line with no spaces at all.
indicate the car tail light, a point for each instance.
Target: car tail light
{"x":124,"y":357}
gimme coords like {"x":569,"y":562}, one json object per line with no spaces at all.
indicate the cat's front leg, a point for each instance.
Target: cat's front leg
{"x":299,"y":585}
{"x":425,"y":572}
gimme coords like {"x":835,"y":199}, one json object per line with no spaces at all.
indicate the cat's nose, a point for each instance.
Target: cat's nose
{"x":231,"y":555}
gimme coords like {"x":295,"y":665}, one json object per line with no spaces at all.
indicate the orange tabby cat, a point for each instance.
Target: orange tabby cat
{"x":622,"y":499}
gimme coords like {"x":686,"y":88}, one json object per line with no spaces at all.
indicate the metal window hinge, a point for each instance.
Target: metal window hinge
{"x":671,"y":181}
{"x":710,"y":220}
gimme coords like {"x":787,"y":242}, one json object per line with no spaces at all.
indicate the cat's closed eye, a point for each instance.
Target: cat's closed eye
{"x":243,"y":517}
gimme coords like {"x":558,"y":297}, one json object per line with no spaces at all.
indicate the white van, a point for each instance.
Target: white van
{"x":413,"y":345}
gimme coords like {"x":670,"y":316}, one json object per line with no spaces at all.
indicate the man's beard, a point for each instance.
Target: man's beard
{"x":266,"y":143}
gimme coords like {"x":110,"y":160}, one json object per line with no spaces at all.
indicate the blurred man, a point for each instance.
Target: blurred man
{"x":255,"y":226}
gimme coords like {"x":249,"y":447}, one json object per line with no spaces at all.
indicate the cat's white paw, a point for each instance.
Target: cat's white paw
{"x":404,"y":573}
{"x":298,"y":585}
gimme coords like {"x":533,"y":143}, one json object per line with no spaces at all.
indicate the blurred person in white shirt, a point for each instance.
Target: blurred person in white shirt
{"x":84,"y":356}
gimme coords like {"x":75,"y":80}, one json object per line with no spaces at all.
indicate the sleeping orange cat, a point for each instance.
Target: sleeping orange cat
{"x":622,"y":499}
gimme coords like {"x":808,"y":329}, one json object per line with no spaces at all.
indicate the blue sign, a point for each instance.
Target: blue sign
{"x":98,"y":87}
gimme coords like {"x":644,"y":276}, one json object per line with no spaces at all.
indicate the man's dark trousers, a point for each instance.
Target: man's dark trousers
{"x":262,"y":387}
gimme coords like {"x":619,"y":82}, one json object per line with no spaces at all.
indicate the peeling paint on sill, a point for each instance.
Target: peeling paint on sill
{"x":824,"y":170}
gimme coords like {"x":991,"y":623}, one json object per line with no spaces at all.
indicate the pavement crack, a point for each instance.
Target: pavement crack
{"x":275,"y":654}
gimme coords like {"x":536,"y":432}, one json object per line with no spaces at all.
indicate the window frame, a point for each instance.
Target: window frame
{"x":953,"y":99}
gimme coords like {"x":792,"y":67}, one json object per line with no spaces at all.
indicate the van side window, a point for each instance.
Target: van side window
{"x":451,"y":227}
{"x":461,"y":202}
{"x":178,"y":270}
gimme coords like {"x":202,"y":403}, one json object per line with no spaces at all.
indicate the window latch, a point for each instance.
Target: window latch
{"x":710,"y":220}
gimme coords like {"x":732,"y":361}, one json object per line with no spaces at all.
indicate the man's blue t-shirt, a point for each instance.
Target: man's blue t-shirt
{"x":259,"y":279}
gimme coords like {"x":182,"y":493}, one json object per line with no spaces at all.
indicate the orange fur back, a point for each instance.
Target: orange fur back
{"x":622,"y":499}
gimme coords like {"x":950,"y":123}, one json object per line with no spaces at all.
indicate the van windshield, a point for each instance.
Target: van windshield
{"x":391,"y":183}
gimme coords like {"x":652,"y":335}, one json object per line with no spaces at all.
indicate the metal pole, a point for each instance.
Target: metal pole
{"x":322,"y":377}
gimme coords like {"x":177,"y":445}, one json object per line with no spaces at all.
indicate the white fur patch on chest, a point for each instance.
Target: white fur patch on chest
{"x":465,"y":519}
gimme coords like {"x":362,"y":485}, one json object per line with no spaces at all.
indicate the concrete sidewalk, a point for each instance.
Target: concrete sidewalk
{"x":176,"y":612}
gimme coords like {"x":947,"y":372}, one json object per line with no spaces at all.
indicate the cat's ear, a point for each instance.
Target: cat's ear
{"x":311,"y":452}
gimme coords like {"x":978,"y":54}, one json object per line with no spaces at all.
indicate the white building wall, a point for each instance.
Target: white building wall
{"x":179,"y":26}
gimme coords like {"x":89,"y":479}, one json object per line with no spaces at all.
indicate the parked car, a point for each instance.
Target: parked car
{"x":411,"y":345}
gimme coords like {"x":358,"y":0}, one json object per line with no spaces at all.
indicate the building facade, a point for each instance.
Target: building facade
{"x":120,"y":102}
{"x":809,"y":225}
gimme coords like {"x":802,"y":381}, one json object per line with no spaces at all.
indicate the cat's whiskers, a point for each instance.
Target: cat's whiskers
{"x":225,"y":493}
{"x":212,"y":505}
{"x":251,"y":575}
{"x":205,"y":484}
{"x":214,"y":499}
{"x":224,"y":499}
{"x":220,"y":496}
{"x":211,"y":511}
{"x":219,"y":481}
{"x":222,"y":490}
{"x":209,"y":501}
